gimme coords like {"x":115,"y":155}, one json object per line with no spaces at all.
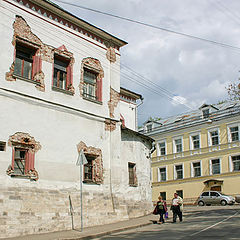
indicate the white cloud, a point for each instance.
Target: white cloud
{"x":197,"y":71}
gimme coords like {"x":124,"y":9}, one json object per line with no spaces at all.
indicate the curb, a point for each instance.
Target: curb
{"x":92,"y":236}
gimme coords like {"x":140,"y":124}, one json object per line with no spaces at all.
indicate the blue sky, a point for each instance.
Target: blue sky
{"x":194,"y":72}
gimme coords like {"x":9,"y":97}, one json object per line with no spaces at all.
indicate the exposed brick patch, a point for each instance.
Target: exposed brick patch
{"x":9,"y":75}
{"x":39,"y":78}
{"x":24,"y":35}
{"x":97,"y":163}
{"x":24,"y":139}
{"x":110,"y":125}
{"x":113,"y":102}
{"x":111,"y":54}
{"x":93,"y":65}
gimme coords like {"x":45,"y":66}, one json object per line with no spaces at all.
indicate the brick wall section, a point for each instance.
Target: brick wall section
{"x":113,"y":102}
{"x":46,"y":210}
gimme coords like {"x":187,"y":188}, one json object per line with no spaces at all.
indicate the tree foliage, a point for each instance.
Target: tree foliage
{"x":233,"y":90}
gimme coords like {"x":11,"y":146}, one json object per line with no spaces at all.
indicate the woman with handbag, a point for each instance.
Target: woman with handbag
{"x":161,"y":209}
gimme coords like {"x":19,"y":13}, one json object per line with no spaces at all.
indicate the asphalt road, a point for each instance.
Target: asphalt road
{"x":200,"y":223}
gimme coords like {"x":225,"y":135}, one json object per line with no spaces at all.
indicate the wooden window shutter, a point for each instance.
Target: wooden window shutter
{"x":37,"y":65}
{"x":99,"y":89}
{"x":30,"y":161}
{"x":69,"y":75}
{"x":13,"y":157}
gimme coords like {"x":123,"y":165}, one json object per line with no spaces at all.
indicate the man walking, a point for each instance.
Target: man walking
{"x":177,"y":207}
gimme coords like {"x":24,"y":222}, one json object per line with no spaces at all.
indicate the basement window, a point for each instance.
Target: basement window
{"x":2,"y":146}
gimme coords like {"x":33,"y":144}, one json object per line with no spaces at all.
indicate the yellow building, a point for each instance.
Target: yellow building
{"x":196,"y":151}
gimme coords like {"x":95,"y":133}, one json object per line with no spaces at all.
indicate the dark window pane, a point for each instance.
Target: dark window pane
{"x":236,"y":163}
{"x":18,"y":67}
{"x":180,"y":193}
{"x":2,"y":146}
{"x":27,"y":70}
{"x":214,"y":194}
{"x":131,"y":172}
{"x":163,"y":195}
{"x":88,"y":169}
{"x":205,"y":194}
{"x":19,"y":161}
{"x":206,"y":113}
{"x":215,"y":166}
{"x":60,"y":73}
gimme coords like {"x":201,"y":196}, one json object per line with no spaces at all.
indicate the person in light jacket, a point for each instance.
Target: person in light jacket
{"x":177,"y":207}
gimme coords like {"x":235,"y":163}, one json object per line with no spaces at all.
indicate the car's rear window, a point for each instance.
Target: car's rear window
{"x":205,"y":194}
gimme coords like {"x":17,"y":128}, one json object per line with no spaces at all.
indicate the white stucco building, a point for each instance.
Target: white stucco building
{"x":60,"y":95}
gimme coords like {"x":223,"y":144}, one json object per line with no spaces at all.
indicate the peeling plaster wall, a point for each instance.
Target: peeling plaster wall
{"x":80,"y":48}
{"x":43,"y":205}
{"x":135,"y":149}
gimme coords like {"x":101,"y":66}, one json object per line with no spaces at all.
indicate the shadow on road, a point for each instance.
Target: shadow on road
{"x":193,"y":223}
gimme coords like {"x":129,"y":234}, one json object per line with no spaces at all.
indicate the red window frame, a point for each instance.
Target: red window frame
{"x":98,"y":85}
{"x":69,"y":72}
{"x":29,"y":160}
{"x":34,"y":57}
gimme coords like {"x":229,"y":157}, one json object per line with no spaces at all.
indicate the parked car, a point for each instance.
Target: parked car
{"x":214,"y":197}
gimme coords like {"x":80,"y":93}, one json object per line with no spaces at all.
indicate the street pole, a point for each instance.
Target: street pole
{"x":81,"y":161}
{"x":81,"y":200}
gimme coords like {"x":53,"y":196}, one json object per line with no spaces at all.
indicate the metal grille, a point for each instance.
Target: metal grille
{"x":19,"y":161}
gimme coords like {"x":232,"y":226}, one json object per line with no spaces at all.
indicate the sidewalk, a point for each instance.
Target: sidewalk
{"x":92,"y":232}
{"x":102,"y":230}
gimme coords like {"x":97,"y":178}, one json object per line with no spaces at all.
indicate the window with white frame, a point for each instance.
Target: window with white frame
{"x":196,"y":169}
{"x":215,"y":166}
{"x":149,"y":128}
{"x":234,"y":133}
{"x":162,"y":148}
{"x":213,"y":137}
{"x":178,"y":147}
{"x":206,"y":113}
{"x":162,"y":174}
{"x":195,"y":141}
{"x":179,"y":171}
{"x":236,"y":163}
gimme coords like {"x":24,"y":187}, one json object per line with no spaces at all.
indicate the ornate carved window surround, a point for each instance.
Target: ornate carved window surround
{"x":91,"y":87}
{"x":97,"y":164}
{"x":24,"y":148}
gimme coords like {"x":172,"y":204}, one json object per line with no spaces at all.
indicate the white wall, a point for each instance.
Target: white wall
{"x":129,"y":113}
{"x":59,"y":130}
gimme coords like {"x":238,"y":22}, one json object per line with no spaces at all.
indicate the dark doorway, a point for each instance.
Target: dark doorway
{"x":216,"y":188}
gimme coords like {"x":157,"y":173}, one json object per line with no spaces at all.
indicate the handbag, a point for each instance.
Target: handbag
{"x":166,"y":215}
{"x":155,"y":211}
